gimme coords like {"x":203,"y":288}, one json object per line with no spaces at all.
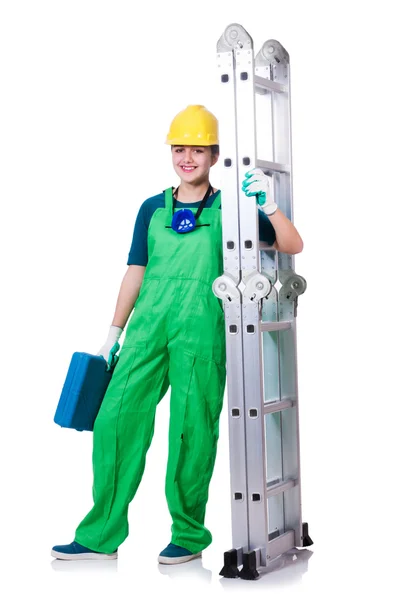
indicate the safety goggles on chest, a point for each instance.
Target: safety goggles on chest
{"x":184,"y":221}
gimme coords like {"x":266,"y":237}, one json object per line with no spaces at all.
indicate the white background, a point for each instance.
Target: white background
{"x":88,"y":90}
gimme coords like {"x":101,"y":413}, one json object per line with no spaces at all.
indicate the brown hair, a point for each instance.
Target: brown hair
{"x":214,"y":149}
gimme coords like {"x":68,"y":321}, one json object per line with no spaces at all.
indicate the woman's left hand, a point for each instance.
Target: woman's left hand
{"x":256,"y":183}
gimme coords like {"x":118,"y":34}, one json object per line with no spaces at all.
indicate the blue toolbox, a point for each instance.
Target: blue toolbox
{"x":85,"y":385}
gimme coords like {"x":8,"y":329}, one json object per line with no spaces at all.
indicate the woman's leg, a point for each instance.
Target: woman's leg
{"x":123,"y":432}
{"x":197,"y":386}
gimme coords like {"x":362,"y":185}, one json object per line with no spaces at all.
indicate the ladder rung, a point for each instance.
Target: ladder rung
{"x":275,"y":325}
{"x":272,"y":407}
{"x":281,"y":544}
{"x":267,"y":165}
{"x":274,"y":490}
{"x":268,"y":84}
{"x":264,"y":246}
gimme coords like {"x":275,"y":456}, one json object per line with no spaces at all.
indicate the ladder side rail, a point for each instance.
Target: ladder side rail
{"x":232,"y":303}
{"x":252,"y":336}
{"x":270,"y":324}
{"x":288,"y":339}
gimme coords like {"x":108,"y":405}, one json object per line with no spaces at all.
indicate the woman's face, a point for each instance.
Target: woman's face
{"x":192,"y":163}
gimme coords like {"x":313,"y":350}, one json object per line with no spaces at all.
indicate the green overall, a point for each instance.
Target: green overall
{"x":175,"y":337}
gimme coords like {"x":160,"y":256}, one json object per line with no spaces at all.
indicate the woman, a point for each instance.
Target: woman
{"x":175,"y":337}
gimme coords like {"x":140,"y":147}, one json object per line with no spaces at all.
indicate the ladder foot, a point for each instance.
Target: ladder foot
{"x":249,"y":566}
{"x":230,"y":568}
{"x":306,"y":539}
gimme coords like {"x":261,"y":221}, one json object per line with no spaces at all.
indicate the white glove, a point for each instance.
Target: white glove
{"x":258,"y":184}
{"x":108,"y":350}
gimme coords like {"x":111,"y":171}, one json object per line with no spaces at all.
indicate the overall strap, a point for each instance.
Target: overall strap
{"x":217,"y":202}
{"x":169,"y":200}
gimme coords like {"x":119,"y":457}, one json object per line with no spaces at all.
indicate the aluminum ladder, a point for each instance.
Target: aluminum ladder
{"x":259,"y":289}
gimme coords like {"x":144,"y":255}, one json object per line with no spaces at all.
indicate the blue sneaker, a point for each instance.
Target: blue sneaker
{"x":75,"y":551}
{"x":174,"y":555}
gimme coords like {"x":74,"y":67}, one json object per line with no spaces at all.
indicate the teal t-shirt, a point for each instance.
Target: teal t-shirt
{"x":138,"y":254}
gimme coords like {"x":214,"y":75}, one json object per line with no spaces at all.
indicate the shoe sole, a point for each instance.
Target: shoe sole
{"x":176,"y":560}
{"x":83,"y":556}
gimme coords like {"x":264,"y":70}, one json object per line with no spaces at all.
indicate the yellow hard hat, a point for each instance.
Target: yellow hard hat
{"x":194,"y":126}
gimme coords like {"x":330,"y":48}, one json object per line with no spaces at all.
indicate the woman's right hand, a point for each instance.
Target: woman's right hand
{"x":111,"y":346}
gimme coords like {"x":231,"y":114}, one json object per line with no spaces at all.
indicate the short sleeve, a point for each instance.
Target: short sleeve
{"x":266,"y":229}
{"x":138,"y":254}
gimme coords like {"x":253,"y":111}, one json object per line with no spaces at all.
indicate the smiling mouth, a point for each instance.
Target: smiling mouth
{"x":187,"y":169}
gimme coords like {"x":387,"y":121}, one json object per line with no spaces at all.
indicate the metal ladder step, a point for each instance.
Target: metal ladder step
{"x":275,"y":325}
{"x":273,"y":167}
{"x":266,"y":247}
{"x":278,"y":405}
{"x":268,"y":84}
{"x":278,"y":488}
{"x":281,"y":544}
